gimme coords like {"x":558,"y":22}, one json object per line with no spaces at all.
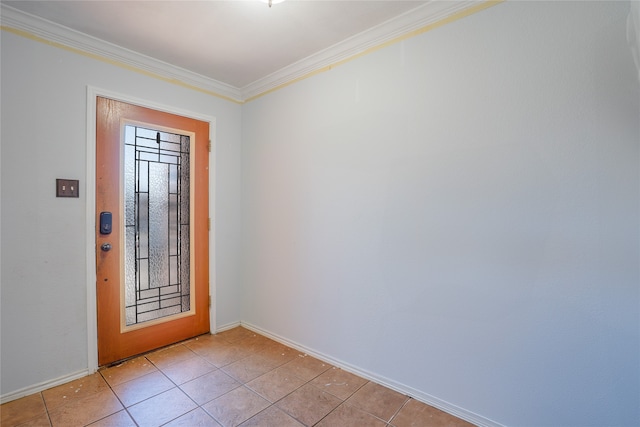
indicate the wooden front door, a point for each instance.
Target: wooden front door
{"x":152,"y":254}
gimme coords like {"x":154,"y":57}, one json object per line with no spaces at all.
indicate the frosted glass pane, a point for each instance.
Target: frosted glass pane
{"x":173,"y":179}
{"x":170,"y":137}
{"x":130,"y":265}
{"x":151,"y":157}
{"x":129,"y":135}
{"x":147,"y":143}
{"x":158,"y":225}
{"x":129,"y":184}
{"x":143,"y":225}
{"x":167,"y":290}
{"x":148,"y":307}
{"x":173,"y":270}
{"x":185,"y":189}
{"x":185,"y":142}
{"x":143,"y":133}
{"x":170,"y":146}
{"x":173,"y":224}
{"x":144,"y":317}
{"x":131,"y":315}
{"x":143,"y":176}
{"x":168,"y":159}
{"x":185,"y":259}
{"x":143,"y":274}
{"x":148,"y":294}
{"x":170,"y":302}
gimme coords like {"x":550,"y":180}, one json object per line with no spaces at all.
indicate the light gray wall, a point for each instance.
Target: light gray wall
{"x":459,"y":213}
{"x":44,"y":289}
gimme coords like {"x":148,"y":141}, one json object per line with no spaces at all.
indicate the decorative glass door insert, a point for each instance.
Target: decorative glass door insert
{"x":152,"y":264}
{"x":157,"y":266}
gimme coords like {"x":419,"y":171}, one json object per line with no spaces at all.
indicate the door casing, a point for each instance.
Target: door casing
{"x":92,"y":94}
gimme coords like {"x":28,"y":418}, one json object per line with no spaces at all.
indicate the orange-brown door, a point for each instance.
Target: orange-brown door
{"x":152,"y":255}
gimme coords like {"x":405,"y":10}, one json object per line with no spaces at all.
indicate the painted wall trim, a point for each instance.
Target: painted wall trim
{"x":394,"y":385}
{"x":416,"y":21}
{"x":48,"y":32}
{"x":388,"y":32}
{"x":226,"y":327}
{"x":37,"y":388}
{"x":92,"y":321}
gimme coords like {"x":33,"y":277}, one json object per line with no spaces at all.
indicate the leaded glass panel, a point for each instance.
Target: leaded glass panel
{"x":156,"y":192}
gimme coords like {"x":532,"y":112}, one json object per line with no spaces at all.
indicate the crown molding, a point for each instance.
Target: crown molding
{"x":37,"y":27}
{"x":389,"y":31}
{"x":382,"y":34}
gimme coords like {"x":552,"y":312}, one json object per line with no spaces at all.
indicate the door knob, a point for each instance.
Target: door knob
{"x":106,"y":247}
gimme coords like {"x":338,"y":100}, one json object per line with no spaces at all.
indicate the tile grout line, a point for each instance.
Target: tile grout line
{"x":119,"y":400}
{"x":46,"y":408}
{"x":343,"y":401}
{"x":198,"y":406}
{"x":399,"y":409}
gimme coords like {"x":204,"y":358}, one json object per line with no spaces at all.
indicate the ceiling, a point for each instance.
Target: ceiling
{"x":243,"y":46}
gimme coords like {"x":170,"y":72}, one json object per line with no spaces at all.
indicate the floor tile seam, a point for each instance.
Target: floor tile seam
{"x":321,"y":390}
{"x":196,"y":377}
{"x":312,"y":385}
{"x":53,"y":409}
{"x":209,"y":413}
{"x":354,"y":392}
{"x":274,"y":403}
{"x":46,"y":411}
{"x":270,"y":404}
{"x":192,"y":379}
{"x":60,"y":407}
{"x":372,"y":414}
{"x":259,"y":394}
{"x":176,"y":362}
{"x":298,"y":388}
{"x":173,"y":419}
{"x":387,"y":422}
{"x":211,"y":400}
{"x":250,"y":390}
{"x":359,"y":409}
{"x":137,"y":378}
{"x":406,"y":400}
{"x":113,"y":413}
{"x":270,"y":369}
{"x":329,"y":413}
{"x":303,"y":379}
{"x":128,"y":360}
{"x":290,"y":414}
{"x":255,"y":415}
{"x":125,"y":408}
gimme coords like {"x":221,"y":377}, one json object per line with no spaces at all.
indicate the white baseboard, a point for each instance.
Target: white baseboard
{"x":371,"y":376}
{"x":226,"y":327}
{"x":37,"y":388}
{"x":394,"y":385}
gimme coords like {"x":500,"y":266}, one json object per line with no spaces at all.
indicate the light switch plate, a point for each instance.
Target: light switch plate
{"x":67,"y":188}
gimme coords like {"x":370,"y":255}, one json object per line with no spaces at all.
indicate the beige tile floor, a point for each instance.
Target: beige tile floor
{"x":236,"y":377}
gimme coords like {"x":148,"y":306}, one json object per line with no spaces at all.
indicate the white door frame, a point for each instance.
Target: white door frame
{"x":90,"y":191}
